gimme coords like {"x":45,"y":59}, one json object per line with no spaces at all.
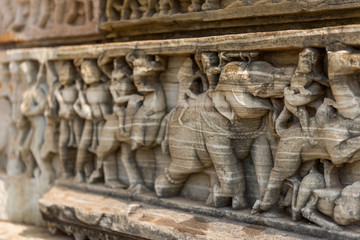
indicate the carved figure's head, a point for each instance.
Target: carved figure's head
{"x":121,"y":70}
{"x":90,"y":72}
{"x":347,"y":209}
{"x":121,"y":77}
{"x":29,"y":71}
{"x":142,"y":64}
{"x":67,"y":73}
{"x":308,"y":59}
{"x":208,"y":60}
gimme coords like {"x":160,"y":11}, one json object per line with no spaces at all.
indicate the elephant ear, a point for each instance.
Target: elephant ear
{"x":222,"y":106}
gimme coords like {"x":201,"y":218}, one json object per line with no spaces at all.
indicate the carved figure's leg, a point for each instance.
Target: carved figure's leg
{"x":59,"y":11}
{"x":73,"y":12}
{"x":29,"y":161}
{"x":210,"y":5}
{"x":22,"y":11}
{"x":83,"y":156}
{"x":174,"y":8}
{"x":129,"y":163}
{"x":107,"y":145}
{"x":130,"y":10}
{"x":163,"y":7}
{"x":309,"y":212}
{"x":150,"y":8}
{"x":195,"y":6}
{"x":314,"y":180}
{"x":286,"y":164}
{"x":44,"y":13}
{"x":64,"y":153}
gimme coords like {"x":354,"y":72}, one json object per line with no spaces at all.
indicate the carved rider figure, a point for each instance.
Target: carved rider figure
{"x":146,"y":121}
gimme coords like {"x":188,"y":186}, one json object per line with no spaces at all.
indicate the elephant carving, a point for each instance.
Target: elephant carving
{"x":220,"y":128}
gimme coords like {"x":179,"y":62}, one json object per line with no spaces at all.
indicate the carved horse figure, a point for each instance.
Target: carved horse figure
{"x":336,"y":133}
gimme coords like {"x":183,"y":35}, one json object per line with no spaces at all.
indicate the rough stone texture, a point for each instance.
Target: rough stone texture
{"x":116,"y":217}
{"x":34,"y":22}
{"x":248,"y":112}
{"x":13,"y":231}
{"x":19,"y":198}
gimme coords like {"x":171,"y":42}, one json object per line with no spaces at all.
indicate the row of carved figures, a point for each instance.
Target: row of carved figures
{"x":18,"y":14}
{"x":135,"y":9}
{"x":297,"y":124}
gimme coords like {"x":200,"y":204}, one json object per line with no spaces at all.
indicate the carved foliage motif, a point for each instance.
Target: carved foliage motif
{"x":266,"y":133}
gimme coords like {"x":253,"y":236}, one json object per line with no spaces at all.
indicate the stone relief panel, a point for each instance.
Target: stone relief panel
{"x":238,"y":130}
{"x":145,"y":19}
{"x":29,"y":20}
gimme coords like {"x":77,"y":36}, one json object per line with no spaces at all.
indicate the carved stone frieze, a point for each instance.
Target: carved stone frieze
{"x":229,"y":126}
{"x":149,"y":19}
{"x":29,"y":21}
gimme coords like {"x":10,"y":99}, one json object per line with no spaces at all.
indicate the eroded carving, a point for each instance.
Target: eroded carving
{"x":247,"y":121}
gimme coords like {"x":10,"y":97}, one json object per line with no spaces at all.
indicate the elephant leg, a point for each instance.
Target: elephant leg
{"x":286,"y":164}
{"x":229,"y":169}
{"x":218,"y":200}
{"x":262,"y":159}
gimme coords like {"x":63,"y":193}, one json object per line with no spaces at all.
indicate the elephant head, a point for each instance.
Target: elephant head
{"x":231,"y":97}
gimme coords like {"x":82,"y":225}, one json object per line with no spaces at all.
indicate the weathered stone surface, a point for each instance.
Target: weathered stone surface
{"x":82,"y":214}
{"x":34,"y":22}
{"x":259,"y":127}
{"x":228,"y":17}
{"x":14,"y":231}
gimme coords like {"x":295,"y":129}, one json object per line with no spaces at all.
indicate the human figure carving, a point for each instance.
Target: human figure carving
{"x":93,"y":104}
{"x":126,"y":104}
{"x":305,"y":91}
{"x":320,"y":195}
{"x":32,"y":109}
{"x":79,"y":8}
{"x":66,"y":93}
{"x":168,"y":7}
{"x":146,"y":121}
{"x":22,"y":12}
{"x":8,"y":132}
{"x":335,"y":132}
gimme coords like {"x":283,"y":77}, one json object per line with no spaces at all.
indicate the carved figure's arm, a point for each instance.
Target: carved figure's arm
{"x":82,"y":108}
{"x":40,"y":103}
{"x":58,"y":96}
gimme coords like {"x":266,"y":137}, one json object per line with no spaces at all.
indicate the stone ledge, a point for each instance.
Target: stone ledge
{"x":270,"y":16}
{"x":65,"y":205}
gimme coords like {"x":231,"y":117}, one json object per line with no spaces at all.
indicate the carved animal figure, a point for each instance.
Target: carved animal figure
{"x":336,"y":133}
{"x":221,"y":128}
{"x":117,"y":129}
